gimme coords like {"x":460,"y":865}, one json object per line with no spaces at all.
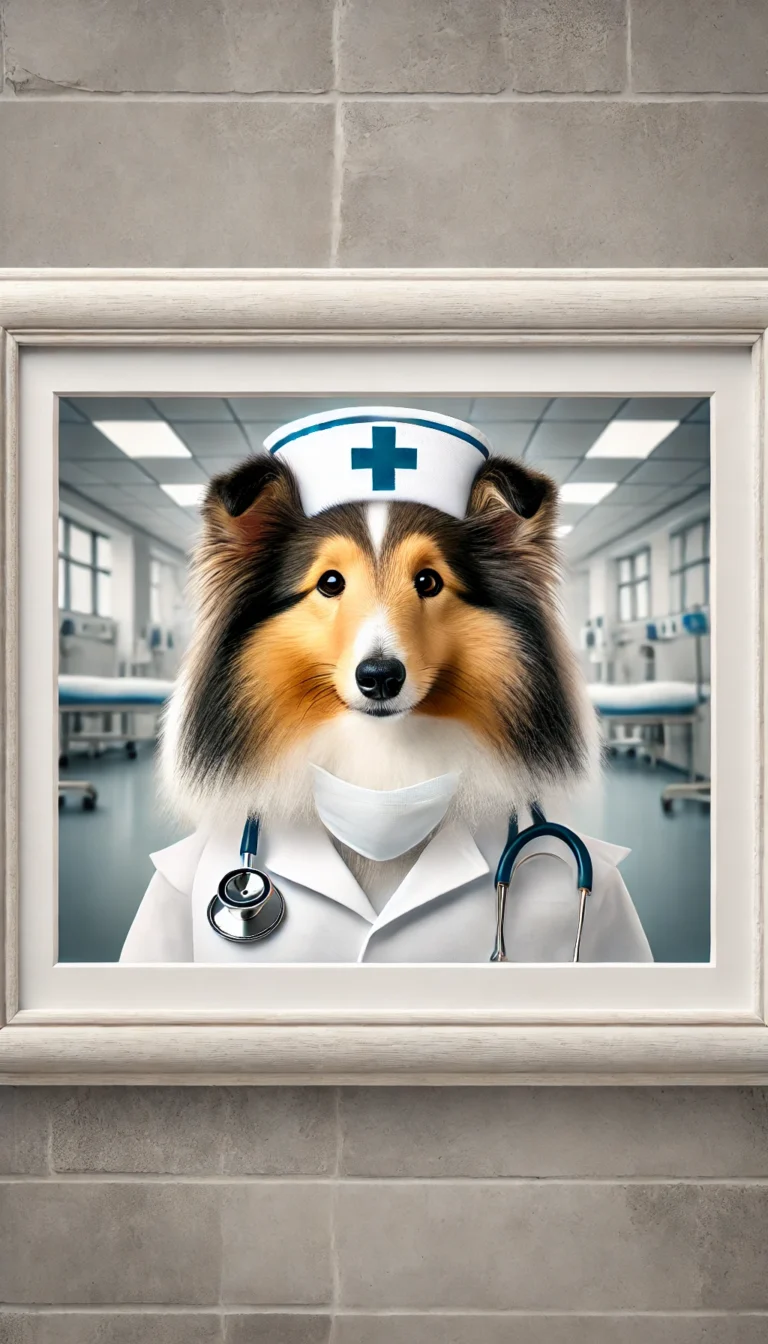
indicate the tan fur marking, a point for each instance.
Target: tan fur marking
{"x":462,"y":662}
{"x":291,"y":670}
{"x":461,"y":659}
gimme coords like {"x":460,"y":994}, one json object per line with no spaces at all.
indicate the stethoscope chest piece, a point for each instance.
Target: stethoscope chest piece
{"x":247,"y":905}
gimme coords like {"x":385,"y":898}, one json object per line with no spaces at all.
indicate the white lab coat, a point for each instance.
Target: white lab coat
{"x":443,"y":911}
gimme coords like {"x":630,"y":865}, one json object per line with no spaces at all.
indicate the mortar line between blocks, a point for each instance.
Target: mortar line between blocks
{"x":169,"y":1178}
{"x":321,"y":1308}
{"x":339,"y":148}
{"x":334,"y":1210}
{"x":220,"y":1233}
{"x":630,"y":80}
{"x":331,"y":96}
{"x":563,"y":1313}
{"x":49,"y":1132}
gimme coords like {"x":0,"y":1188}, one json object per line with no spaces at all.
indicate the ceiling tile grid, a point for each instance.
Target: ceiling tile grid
{"x":553,"y":434}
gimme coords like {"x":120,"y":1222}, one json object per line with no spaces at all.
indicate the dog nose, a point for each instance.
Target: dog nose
{"x":380,"y":678}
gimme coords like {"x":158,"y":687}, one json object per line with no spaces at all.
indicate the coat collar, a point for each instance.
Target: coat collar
{"x":449,"y":861}
{"x":304,"y":853}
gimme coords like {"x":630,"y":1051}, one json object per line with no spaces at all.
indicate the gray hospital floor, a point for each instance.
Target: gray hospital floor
{"x":104,"y":863}
{"x":667,"y":872}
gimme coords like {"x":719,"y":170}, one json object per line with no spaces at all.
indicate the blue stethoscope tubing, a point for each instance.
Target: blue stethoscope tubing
{"x":516,"y":843}
{"x":248,"y":906}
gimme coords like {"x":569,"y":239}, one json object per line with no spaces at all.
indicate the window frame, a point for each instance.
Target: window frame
{"x":685,"y":566}
{"x":93,"y":566}
{"x":632,"y":584}
{"x":155,"y":585}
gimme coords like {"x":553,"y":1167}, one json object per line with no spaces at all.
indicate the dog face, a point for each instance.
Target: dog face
{"x":386,"y":610}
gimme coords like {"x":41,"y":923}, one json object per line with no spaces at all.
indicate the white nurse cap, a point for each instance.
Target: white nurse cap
{"x":360,"y":453}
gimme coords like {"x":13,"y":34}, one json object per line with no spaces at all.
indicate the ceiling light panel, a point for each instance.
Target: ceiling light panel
{"x":586,"y":492}
{"x":632,"y":438}
{"x":143,"y":438}
{"x":188,"y":496}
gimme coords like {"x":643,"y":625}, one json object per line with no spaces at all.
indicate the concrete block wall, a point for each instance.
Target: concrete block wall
{"x":383,"y":132}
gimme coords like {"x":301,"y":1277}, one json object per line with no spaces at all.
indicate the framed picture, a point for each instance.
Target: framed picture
{"x":383,"y":681}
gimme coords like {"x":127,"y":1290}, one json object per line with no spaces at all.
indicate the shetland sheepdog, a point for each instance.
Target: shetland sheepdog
{"x":386,"y":642}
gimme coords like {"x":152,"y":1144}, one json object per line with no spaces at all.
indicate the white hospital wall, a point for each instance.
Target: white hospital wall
{"x":575,"y":599}
{"x":599,"y":598}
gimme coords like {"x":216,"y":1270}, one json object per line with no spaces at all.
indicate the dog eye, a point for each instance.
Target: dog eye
{"x":331,"y":583}
{"x":428,"y":583}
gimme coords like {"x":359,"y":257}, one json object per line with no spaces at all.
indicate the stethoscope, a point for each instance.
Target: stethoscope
{"x":516,"y":842}
{"x":248,"y":906}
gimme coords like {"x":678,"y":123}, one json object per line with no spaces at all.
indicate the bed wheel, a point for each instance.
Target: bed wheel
{"x":61,"y":801}
{"x":89,"y":802}
{"x":666,"y":805}
{"x":130,"y":751}
{"x":63,"y":762}
{"x":631,"y":753}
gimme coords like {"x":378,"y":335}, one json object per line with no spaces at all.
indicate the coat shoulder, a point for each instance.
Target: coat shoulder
{"x":178,"y":863}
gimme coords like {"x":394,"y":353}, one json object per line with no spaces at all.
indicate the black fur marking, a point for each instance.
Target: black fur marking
{"x":238,"y":489}
{"x":522,"y":490}
{"x":498,"y":577}
{"x":214,"y":738}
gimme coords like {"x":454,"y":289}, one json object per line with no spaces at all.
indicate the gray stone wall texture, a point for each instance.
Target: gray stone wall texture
{"x":383,"y":132}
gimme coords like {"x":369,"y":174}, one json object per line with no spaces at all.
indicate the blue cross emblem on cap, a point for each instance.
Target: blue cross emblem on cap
{"x":384,"y":458}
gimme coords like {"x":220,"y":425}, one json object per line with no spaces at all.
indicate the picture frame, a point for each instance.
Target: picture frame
{"x":717,"y":1040}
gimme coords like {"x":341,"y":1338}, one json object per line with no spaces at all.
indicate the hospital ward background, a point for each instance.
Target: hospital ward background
{"x":633,"y":476}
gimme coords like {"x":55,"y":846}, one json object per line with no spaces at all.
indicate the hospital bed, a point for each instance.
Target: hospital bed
{"x":661,"y":704}
{"x":105,"y":697}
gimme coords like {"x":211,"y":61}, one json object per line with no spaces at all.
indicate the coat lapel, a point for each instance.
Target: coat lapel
{"x":304,"y":853}
{"x":450,"y":860}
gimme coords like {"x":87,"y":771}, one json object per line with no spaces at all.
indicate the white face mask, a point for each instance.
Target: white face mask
{"x":381,"y":823}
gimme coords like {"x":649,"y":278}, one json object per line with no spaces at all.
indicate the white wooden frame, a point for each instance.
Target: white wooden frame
{"x":683,"y":309}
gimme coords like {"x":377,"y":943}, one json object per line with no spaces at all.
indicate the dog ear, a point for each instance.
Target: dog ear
{"x":502,"y":486}
{"x":513,"y":511}
{"x":239,"y":502}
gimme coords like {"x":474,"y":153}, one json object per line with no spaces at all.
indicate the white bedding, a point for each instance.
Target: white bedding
{"x":646,"y":697}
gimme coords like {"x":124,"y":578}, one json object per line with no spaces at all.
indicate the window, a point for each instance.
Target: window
{"x":635,"y":586}
{"x":689,"y":567}
{"x":85,"y":570}
{"x":154,"y":592}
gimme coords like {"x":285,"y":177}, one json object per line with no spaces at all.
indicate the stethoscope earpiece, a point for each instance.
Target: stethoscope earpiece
{"x":247,"y":905}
